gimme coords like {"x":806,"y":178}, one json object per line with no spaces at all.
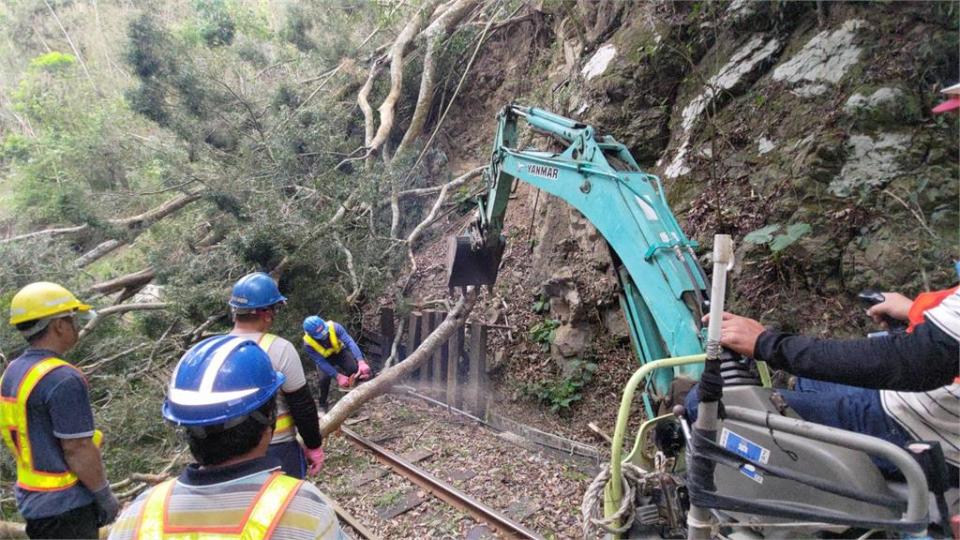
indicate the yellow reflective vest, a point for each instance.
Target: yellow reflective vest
{"x":261,"y":518}
{"x":326,"y":352}
{"x":14,"y":429}
{"x":284,"y":421}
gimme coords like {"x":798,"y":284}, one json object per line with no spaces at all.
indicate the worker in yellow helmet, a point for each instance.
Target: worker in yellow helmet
{"x":47,"y":423}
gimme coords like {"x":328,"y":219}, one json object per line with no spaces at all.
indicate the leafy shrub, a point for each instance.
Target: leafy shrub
{"x":543,"y":333}
{"x":541,"y":304}
{"x":778,"y":242}
{"x":561,"y":393}
{"x":53,"y":61}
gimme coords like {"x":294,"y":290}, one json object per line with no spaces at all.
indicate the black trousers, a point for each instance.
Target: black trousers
{"x":345,"y":363}
{"x":77,"y":523}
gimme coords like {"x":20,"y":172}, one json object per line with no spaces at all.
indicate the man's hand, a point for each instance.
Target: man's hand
{"x":894,"y":305}
{"x":343,"y":381}
{"x":315,"y":457}
{"x":738,"y":334}
{"x":363,"y":370}
{"x":107,"y":506}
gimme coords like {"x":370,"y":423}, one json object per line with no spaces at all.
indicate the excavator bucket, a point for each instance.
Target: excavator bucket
{"x":467,"y":265}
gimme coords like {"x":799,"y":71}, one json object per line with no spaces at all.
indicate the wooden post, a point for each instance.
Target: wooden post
{"x":413,"y":326}
{"x":478,"y":370}
{"x":454,"y":350}
{"x":439,"y":358}
{"x":387,"y":332}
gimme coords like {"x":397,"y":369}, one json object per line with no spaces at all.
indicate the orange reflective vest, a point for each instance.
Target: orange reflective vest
{"x":326,"y":352}
{"x":284,"y":421}
{"x":14,"y":429}
{"x":925,"y":301}
{"x":258,"y":523}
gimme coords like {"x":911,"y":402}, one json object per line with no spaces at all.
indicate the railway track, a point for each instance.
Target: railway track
{"x":488,"y":516}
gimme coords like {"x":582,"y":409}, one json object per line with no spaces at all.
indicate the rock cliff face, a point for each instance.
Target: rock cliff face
{"x":764,"y":114}
{"x":807,"y":122}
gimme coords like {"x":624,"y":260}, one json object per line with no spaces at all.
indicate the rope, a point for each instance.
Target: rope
{"x":634,"y":480}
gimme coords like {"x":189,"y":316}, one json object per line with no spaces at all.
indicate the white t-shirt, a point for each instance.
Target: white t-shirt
{"x":933,"y":415}
{"x":285,"y":359}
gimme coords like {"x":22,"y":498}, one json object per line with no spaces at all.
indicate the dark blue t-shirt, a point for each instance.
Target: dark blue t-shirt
{"x":58,"y":408}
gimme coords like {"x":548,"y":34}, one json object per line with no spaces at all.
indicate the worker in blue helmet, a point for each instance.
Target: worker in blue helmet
{"x":336,"y":354}
{"x":254,"y":303}
{"x":223,"y":394}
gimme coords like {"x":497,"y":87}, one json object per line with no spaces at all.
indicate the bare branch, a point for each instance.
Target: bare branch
{"x":397,"y":51}
{"x":47,"y":232}
{"x":439,"y":29}
{"x":136,"y":279}
{"x":120,"y":309}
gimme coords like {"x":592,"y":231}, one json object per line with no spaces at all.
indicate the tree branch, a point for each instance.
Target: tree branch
{"x":440,"y":28}
{"x":122,"y":308}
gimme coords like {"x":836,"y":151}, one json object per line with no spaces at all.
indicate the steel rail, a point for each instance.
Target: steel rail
{"x":443,"y":490}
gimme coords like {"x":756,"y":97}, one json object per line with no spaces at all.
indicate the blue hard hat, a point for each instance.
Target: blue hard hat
{"x":222,"y":378}
{"x":315,"y":326}
{"x":257,"y":290}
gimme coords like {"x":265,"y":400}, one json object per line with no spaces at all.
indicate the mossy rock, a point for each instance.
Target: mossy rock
{"x":887,"y":106}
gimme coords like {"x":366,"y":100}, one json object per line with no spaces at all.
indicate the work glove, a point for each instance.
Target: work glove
{"x":344,"y":381}
{"x":315,"y":457}
{"x":107,"y":505}
{"x":363,"y":370}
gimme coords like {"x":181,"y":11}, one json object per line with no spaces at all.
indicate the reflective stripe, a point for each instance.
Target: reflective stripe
{"x":14,"y":429}
{"x":284,"y":424}
{"x":335,"y":345}
{"x":265,"y":341}
{"x":261,"y":518}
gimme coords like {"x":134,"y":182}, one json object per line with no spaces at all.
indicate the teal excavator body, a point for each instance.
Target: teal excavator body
{"x":663,"y":287}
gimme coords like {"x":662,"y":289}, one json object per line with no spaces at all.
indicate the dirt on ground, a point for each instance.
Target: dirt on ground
{"x":539,"y":491}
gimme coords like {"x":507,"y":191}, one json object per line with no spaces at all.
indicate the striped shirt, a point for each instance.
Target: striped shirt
{"x":933,"y":415}
{"x":220,"y":497}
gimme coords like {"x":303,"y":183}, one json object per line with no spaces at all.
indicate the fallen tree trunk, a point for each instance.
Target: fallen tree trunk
{"x":134,"y":280}
{"x":394,"y":375}
{"x":102,"y":250}
{"x":153,"y":215}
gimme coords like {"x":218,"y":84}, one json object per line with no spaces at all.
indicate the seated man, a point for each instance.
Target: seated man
{"x":898,"y":387}
{"x":223,"y":394}
{"x":335,"y":353}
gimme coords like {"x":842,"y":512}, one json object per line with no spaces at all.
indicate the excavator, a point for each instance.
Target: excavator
{"x":749,"y":467}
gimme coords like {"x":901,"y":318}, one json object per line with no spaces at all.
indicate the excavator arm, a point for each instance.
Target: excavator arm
{"x":663,"y":286}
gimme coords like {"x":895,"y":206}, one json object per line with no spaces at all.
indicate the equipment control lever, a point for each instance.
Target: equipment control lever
{"x":872,"y":297}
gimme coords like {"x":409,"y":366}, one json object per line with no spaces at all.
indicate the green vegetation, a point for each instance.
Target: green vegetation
{"x":766,"y":236}
{"x":543,"y":333}
{"x":560,"y":393}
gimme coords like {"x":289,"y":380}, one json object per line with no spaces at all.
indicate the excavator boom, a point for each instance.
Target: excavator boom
{"x":663,"y":286}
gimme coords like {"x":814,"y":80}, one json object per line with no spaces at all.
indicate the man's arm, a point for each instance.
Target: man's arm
{"x":923,"y":360}
{"x":348,"y":341}
{"x":83,"y":459}
{"x":304,"y":412}
{"x":297,"y":394}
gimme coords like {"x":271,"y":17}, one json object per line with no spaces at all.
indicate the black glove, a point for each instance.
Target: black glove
{"x":107,"y":505}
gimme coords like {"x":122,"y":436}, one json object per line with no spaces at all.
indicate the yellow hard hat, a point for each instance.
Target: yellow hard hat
{"x":41,"y":300}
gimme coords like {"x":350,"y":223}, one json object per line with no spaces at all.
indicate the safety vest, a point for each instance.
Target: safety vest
{"x":335,"y":345}
{"x":13,"y":427}
{"x":925,"y":301}
{"x":261,"y":518}
{"x":284,"y":421}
